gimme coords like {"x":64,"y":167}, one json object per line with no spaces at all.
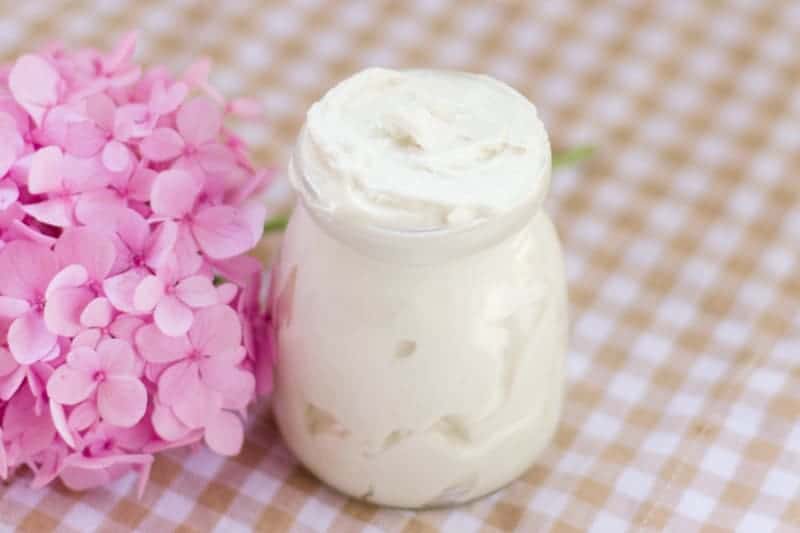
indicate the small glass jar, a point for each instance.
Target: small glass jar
{"x":418,"y":368}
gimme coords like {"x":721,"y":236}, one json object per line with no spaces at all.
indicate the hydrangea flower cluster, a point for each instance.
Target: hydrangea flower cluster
{"x":128,"y":312}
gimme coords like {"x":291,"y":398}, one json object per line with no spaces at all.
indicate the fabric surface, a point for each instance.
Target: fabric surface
{"x":682,"y":237}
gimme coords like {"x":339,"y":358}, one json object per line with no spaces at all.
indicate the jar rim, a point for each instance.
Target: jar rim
{"x":420,"y":246}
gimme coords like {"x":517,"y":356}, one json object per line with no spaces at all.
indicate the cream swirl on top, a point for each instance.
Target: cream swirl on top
{"x":422,"y":150}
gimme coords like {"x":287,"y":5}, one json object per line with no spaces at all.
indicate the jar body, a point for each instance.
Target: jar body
{"x":418,"y":385}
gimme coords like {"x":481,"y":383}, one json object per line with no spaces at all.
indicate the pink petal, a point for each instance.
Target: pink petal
{"x":121,"y":288}
{"x":49,"y":467}
{"x":164,"y":101}
{"x":81,"y":174}
{"x":56,"y":212}
{"x":167,"y":425}
{"x":101,"y":109}
{"x":82,"y":416}
{"x":141,"y":184}
{"x":3,"y":459}
{"x":132,"y":121}
{"x":148,"y":293}
{"x":156,"y":347}
{"x":186,"y":253}
{"x":56,"y":124}
{"x":122,"y":53}
{"x":225,"y":433}
{"x":223,"y":231}
{"x":256,"y":214}
{"x":45,"y":173}
{"x":62,"y":311}
{"x":237,"y":386}
{"x":128,"y":77}
{"x":109,"y":463}
{"x":198,"y":403}
{"x":239,"y":269}
{"x":11,"y":143}
{"x":132,"y":228}
{"x":29,"y":339}
{"x":33,"y":79}
{"x":117,"y":357}
{"x":216,"y":330}
{"x":31,"y":233}
{"x":216,"y":159}
{"x":97,"y":314}
{"x":176,"y":380}
{"x":54,"y":353}
{"x":9,"y":193}
{"x":196,"y":291}
{"x":84,"y":139}
{"x":71,"y":276}
{"x":226,"y":293}
{"x":34,"y":83}
{"x":116,"y":156}
{"x":232,"y":357}
{"x":7,"y":362}
{"x":100,"y":208}
{"x":122,"y":401}
{"x":161,"y":243}
{"x":81,"y":479}
{"x":199,"y":120}
{"x":174,"y":193}
{"x":12,"y":308}
{"x":7,"y":157}
{"x":69,"y":386}
{"x":84,"y":359}
{"x":60,"y":422}
{"x":25,"y":269}
{"x":10,"y":383}
{"x":172,"y":316}
{"x":33,"y":430}
{"x":87,"y":338}
{"x":88,"y":247}
{"x":162,"y":145}
{"x":125,"y":327}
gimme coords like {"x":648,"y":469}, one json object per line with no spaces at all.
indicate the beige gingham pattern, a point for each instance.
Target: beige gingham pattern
{"x":682,"y":238}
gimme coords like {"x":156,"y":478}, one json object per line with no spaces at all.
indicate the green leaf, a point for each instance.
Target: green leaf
{"x":571,"y":156}
{"x":276,"y":223}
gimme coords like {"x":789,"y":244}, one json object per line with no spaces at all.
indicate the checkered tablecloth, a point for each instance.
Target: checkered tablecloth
{"x":682,"y":238}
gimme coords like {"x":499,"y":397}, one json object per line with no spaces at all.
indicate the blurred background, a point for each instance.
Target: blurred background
{"x":682,"y":232}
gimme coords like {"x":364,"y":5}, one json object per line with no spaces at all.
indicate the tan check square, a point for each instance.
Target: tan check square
{"x":682,"y":238}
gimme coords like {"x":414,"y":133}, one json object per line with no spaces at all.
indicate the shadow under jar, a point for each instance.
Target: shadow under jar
{"x":419,"y":303}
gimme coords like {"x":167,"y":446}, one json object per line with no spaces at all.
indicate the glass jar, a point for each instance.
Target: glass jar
{"x":418,"y":368}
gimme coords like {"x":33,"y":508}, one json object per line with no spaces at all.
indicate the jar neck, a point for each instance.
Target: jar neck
{"x":413,"y":247}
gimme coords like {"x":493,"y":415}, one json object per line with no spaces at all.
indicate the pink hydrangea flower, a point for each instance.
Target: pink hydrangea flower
{"x":123,"y":197}
{"x":220,"y":231}
{"x":172,"y":294}
{"x":75,"y":298}
{"x":111,"y":372}
{"x":204,"y":377}
{"x":26,"y":269}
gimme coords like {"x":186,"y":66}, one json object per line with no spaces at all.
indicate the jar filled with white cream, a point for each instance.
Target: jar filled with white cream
{"x":419,"y":302}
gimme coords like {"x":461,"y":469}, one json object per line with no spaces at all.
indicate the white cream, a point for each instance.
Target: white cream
{"x":423,"y":149}
{"x":419,"y":300}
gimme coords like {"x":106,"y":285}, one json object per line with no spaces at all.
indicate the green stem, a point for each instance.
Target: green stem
{"x":571,"y":156}
{"x":276,"y":223}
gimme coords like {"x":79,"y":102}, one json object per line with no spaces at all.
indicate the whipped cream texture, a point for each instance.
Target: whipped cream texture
{"x":422,"y":149}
